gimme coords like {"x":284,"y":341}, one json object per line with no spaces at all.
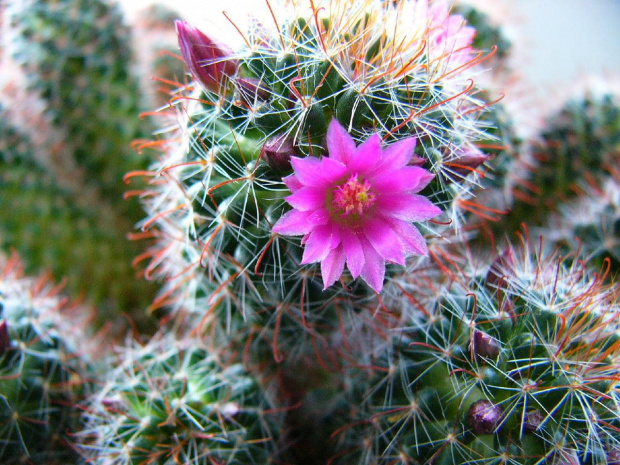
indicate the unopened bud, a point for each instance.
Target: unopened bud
{"x":277,"y":153}
{"x":485,"y":346}
{"x":467,"y":161}
{"x":501,"y":268}
{"x":252,"y":90}
{"x":613,"y":456}
{"x":5,"y":338}
{"x":533,"y":420}
{"x":209,"y":62}
{"x":484,"y":416}
{"x":565,"y":457}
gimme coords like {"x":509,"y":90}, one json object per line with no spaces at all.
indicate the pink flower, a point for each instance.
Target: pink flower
{"x":356,"y":206}
{"x":209,"y":62}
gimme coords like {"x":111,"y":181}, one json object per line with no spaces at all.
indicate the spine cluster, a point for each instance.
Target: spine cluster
{"x":356,"y":256}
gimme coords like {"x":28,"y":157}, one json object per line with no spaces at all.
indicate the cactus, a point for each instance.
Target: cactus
{"x":72,"y":60}
{"x":512,"y":360}
{"x":218,"y":190}
{"x":579,"y":143}
{"x":55,"y":229}
{"x":325,"y":209}
{"x":77,"y":56}
{"x":42,"y":375}
{"x":176,"y":401}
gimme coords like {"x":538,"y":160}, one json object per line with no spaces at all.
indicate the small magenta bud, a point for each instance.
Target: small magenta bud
{"x":484,"y":416}
{"x":565,"y":457}
{"x":277,"y":153}
{"x":467,"y":161}
{"x":209,"y":62}
{"x":485,"y":346}
{"x":501,"y":268}
{"x":533,"y":420}
{"x":5,"y":338}
{"x":252,"y":90}
{"x":613,"y":456}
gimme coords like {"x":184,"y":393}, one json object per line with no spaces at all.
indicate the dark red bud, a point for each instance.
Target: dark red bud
{"x":416,"y":160}
{"x":565,"y":457}
{"x":484,"y":416}
{"x":613,"y":456}
{"x":467,"y":161}
{"x":277,"y":153}
{"x":209,"y":62}
{"x":252,"y":91}
{"x":485,"y":346}
{"x":5,"y":338}
{"x":533,"y":420}
{"x":501,"y":268}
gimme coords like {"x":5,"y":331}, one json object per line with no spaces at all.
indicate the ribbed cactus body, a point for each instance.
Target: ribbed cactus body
{"x":172,"y":401}
{"x":77,"y":56}
{"x":218,"y":190}
{"x":55,"y":229}
{"x":42,"y":376}
{"x":514,"y":361}
{"x":579,"y":145}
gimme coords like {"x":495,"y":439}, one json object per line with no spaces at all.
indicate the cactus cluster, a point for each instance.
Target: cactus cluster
{"x":360,"y":257}
{"x":175,"y":401}
{"x":505,"y":360}
{"x":44,"y":373}
{"x":63,"y":168}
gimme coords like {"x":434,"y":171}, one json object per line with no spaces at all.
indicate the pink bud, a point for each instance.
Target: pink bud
{"x":467,"y":161}
{"x":277,"y":153}
{"x":484,"y":416}
{"x":5,"y":338}
{"x":501,"y":269}
{"x":485,"y":346}
{"x":209,"y":62}
{"x":252,"y":90}
{"x":533,"y":420}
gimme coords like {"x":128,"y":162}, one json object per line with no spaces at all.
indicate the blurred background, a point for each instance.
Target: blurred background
{"x":559,"y":41}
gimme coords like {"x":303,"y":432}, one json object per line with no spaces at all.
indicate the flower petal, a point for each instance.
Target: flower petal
{"x":373,"y":270}
{"x":367,"y":155}
{"x":340,"y":144}
{"x":410,"y":207}
{"x":307,"y":198}
{"x":295,"y":222}
{"x":305,"y":169}
{"x":313,"y":172}
{"x":399,"y":153}
{"x":407,"y":178}
{"x":384,"y":240}
{"x":319,"y":243}
{"x":411,"y":239}
{"x":332,"y":266}
{"x":354,"y":252}
{"x":292,"y":183}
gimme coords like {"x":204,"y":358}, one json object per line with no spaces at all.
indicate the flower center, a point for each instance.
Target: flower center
{"x":353,"y":197}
